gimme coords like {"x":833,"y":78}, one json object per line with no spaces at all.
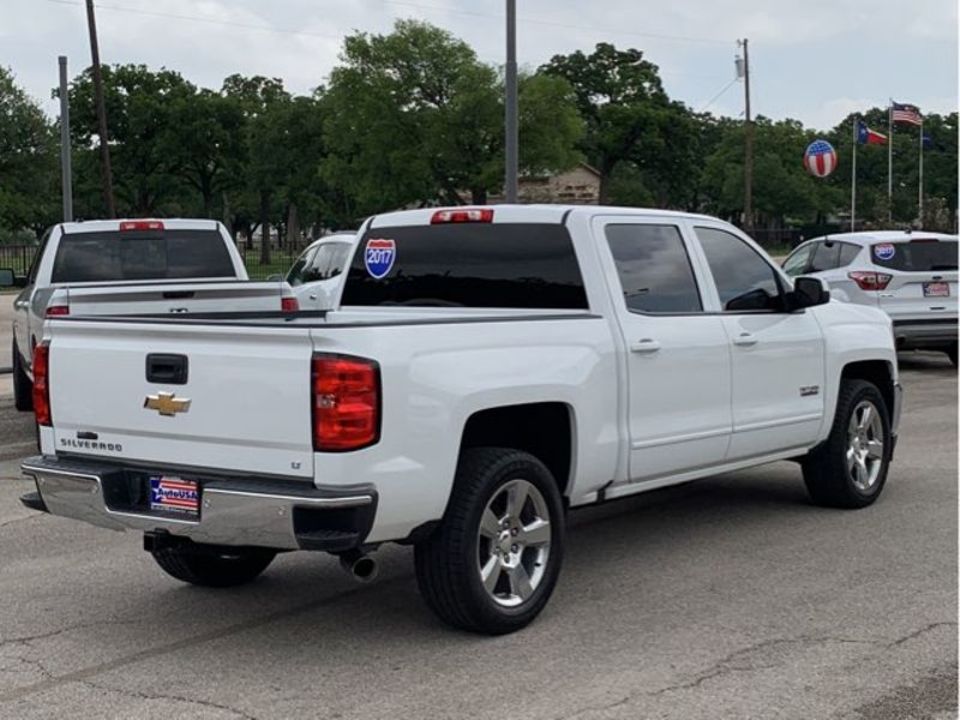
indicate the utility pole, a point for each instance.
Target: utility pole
{"x":512,"y":131}
{"x":66,"y":175}
{"x":748,"y":143}
{"x":105,"y":172}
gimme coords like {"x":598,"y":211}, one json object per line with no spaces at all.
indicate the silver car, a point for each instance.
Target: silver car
{"x":910,"y":275}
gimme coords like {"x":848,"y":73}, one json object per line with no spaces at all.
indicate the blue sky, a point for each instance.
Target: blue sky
{"x":815,"y":61}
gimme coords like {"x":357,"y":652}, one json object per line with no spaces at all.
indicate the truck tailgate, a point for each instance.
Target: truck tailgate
{"x":150,"y":298}
{"x":249,"y":395}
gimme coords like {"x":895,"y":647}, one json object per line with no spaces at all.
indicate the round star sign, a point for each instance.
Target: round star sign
{"x":820,"y":159}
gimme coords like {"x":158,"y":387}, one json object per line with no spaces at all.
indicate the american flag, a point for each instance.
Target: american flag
{"x":903,"y":113}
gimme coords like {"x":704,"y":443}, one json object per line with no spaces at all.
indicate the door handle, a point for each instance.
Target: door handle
{"x":646,"y":345}
{"x":745,"y":339}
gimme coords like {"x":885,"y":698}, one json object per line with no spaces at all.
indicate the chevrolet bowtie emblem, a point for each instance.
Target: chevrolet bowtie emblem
{"x":166,"y":404}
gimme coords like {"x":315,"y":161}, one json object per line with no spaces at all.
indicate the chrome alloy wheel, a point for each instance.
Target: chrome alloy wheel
{"x":865,"y":445}
{"x":513,"y":543}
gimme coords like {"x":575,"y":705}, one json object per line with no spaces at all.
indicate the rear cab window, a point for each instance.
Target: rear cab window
{"x":920,"y":255}
{"x":476,"y":265}
{"x":110,"y":256}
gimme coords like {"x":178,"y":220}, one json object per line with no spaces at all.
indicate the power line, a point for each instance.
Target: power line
{"x":717,"y":96}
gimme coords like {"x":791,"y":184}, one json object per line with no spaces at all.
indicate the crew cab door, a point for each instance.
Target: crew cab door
{"x":677,"y":358}
{"x":777,"y":356}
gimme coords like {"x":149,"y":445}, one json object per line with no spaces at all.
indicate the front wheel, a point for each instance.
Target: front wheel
{"x":492,"y":564}
{"x":849,"y":469}
{"x":212,"y":566}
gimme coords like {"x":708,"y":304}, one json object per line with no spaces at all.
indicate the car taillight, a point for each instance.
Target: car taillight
{"x":346,"y":403}
{"x":870,"y":280}
{"x":57,"y":310}
{"x":41,"y":384}
{"x":469,"y":215}
{"x":134,"y":225}
{"x":289,"y":304}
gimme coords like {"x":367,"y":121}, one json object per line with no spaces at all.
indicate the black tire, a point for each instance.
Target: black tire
{"x":448,"y":561}
{"x":211,"y":566}
{"x":22,"y":387}
{"x":828,"y":478}
{"x":952,"y":354}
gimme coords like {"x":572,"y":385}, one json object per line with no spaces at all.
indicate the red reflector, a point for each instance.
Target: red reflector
{"x":129,"y":225}
{"x":346,"y":403}
{"x":870,"y":280}
{"x":289,"y":304}
{"x":55,"y":310}
{"x":474,"y":215}
{"x":41,"y":384}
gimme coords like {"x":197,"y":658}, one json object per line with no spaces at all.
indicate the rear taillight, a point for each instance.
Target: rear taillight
{"x":135,"y":225}
{"x":289,"y":304}
{"x":41,"y":384}
{"x":467,"y":215}
{"x":870,"y":280}
{"x":346,"y":403}
{"x":57,"y":310}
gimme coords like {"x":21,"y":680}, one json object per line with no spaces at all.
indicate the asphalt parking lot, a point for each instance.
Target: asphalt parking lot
{"x":726,"y":598}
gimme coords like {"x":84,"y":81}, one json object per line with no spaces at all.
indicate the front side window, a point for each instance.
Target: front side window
{"x":745,"y":281}
{"x":654,"y":269}
{"x":295,"y":276}
{"x":799,"y":261}
{"x":329,"y":261}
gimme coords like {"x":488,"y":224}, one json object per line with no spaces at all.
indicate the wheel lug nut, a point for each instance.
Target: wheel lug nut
{"x":514,"y":548}
{"x":514,"y":532}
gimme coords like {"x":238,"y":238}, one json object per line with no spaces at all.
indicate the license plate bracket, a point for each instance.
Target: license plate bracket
{"x":936,"y":289}
{"x":174,"y":494}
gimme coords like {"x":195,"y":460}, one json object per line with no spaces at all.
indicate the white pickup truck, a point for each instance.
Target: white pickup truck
{"x":109,"y":267}
{"x":488,"y":369}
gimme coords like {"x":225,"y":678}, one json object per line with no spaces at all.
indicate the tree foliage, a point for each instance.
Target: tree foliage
{"x":413,"y":118}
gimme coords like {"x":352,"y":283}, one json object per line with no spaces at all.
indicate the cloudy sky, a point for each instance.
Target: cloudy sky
{"x":815,"y":60}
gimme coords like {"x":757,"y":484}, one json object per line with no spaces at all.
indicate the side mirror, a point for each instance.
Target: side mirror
{"x":808,"y":292}
{"x":9,"y":279}
{"x":276,"y":277}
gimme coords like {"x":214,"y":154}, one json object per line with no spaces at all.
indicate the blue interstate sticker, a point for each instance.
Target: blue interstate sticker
{"x":886,"y":251}
{"x":379,"y":256}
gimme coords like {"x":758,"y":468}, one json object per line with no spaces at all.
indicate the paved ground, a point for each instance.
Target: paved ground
{"x":728,"y":598}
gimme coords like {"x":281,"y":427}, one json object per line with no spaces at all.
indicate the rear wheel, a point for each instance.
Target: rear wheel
{"x":212,"y":566}
{"x":849,"y":469}
{"x":492,"y":564}
{"x":22,"y":387}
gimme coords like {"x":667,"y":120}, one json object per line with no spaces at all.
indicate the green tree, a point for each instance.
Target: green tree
{"x":29,"y":193}
{"x":413,"y":117}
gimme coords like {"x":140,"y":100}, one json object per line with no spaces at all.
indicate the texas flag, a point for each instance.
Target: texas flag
{"x":866,"y":136}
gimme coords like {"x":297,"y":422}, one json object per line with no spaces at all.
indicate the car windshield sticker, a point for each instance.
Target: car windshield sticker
{"x":886,"y":251}
{"x":379,"y":256}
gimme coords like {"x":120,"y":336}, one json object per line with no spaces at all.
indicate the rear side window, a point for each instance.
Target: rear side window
{"x":141,"y":255}
{"x":654,"y":269}
{"x":848,"y":251}
{"x":508,"y":265}
{"x":825,"y":257}
{"x":916,"y":255}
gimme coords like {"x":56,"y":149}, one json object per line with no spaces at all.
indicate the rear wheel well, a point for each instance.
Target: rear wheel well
{"x":545,"y":430}
{"x":877,"y":372}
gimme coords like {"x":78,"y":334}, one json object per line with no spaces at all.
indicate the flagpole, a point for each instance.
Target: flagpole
{"x":920,"y":198}
{"x":890,"y":162}
{"x":853,"y":182}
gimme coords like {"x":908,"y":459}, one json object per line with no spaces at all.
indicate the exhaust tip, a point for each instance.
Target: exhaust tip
{"x":360,"y":567}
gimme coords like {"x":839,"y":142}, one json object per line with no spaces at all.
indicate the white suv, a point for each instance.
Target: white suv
{"x":912,"y":276}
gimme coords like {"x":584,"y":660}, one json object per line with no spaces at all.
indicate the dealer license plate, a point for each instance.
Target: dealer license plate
{"x":174,"y":494}
{"x":936,"y":289}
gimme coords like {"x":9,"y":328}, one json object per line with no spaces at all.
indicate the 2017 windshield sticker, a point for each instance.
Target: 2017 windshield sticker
{"x":886,"y":251}
{"x":379,"y":256}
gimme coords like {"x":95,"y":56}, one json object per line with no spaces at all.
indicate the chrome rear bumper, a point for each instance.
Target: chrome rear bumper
{"x":241,"y":512}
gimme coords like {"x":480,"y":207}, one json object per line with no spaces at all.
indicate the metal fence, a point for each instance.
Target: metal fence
{"x":17,"y":257}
